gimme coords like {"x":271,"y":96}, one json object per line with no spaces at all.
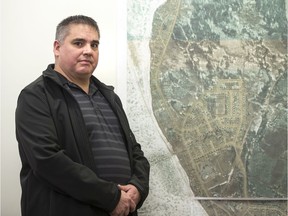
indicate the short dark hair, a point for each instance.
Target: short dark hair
{"x":62,"y":29}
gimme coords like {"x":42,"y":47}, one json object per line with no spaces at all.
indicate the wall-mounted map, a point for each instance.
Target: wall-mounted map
{"x":208,"y":82}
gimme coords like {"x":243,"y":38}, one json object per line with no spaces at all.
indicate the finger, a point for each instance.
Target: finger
{"x":132,"y":206}
{"x":127,"y":211}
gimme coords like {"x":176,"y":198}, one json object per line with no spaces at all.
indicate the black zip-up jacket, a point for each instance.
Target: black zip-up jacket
{"x":58,"y":170}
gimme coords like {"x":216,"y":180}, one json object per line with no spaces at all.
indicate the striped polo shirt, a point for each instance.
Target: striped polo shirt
{"x":105,"y":134}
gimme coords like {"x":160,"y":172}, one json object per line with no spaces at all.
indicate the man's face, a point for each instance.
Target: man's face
{"x":77,"y":55}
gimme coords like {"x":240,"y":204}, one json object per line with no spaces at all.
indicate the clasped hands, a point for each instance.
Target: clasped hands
{"x":129,"y":199}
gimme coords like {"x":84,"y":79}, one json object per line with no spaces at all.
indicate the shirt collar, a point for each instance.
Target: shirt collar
{"x":66,"y":83}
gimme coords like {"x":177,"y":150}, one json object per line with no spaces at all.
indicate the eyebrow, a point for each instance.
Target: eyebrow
{"x":82,"y":40}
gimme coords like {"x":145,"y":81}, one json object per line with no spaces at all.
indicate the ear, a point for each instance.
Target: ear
{"x":56,"y":47}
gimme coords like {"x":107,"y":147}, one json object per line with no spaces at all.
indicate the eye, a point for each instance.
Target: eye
{"x":95,"y":45}
{"x":78,"y":43}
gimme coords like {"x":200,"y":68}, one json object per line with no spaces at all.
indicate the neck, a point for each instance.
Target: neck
{"x":82,"y":82}
{"x":83,"y":86}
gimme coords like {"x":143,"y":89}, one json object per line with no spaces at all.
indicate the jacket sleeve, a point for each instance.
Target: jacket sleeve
{"x":140,"y":164}
{"x":40,"y":148}
{"x":141,"y":170}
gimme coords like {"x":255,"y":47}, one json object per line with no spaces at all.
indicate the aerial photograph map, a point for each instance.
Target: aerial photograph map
{"x":209,"y":82}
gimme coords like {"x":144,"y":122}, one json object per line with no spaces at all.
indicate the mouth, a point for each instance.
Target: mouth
{"x":85,"y":61}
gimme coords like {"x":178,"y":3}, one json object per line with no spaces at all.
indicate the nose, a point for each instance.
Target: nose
{"x":87,"y":50}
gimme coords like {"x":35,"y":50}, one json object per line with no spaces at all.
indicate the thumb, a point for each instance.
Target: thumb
{"x":123,"y":187}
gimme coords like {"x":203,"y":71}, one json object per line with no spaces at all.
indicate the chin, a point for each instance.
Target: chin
{"x":86,"y":70}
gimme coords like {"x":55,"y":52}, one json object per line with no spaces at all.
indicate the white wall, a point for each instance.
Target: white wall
{"x":27,"y":30}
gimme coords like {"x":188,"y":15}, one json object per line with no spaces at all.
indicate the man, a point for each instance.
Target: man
{"x":79,"y":155}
